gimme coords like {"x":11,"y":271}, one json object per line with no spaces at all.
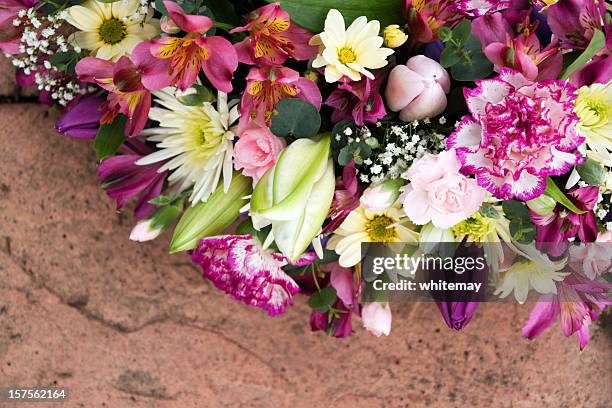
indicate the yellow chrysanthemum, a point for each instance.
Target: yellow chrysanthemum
{"x":110,"y":30}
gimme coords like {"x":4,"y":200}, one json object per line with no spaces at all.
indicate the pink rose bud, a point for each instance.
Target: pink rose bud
{"x":144,"y":231}
{"x":168,"y":26}
{"x":376,"y":318}
{"x":257,"y":150}
{"x":418,"y":89}
{"x":381,"y":196}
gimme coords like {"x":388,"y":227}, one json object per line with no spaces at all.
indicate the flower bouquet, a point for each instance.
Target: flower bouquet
{"x":309,"y":128}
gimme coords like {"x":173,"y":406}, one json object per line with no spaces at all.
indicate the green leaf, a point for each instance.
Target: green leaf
{"x":597,"y":43}
{"x":323,"y":299}
{"x":461,"y":33}
{"x":296,"y":118}
{"x":489,"y":211}
{"x":522,"y":231}
{"x":202,"y":94}
{"x":311,"y":14}
{"x":159,"y":6}
{"x":161,"y":200}
{"x":515,"y":209}
{"x":475,"y":66}
{"x":450,"y":56}
{"x":553,"y":192}
{"x":223,"y":11}
{"x":164,"y":216}
{"x":110,"y":137}
{"x":591,"y":172}
{"x":213,"y":216}
{"x":345,"y":156}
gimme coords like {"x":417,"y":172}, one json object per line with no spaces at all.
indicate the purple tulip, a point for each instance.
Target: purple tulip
{"x":124,"y":179}
{"x":82,"y":119}
{"x":457,"y":315}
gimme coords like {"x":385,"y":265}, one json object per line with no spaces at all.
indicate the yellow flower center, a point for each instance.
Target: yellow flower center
{"x":346,"y":55}
{"x":379,"y":229}
{"x":476,"y":228}
{"x":592,"y":108}
{"x":112,"y":31}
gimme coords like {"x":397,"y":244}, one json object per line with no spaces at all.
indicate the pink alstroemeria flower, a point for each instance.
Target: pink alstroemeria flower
{"x":273,"y":38}
{"x":475,"y":8}
{"x":575,"y":21}
{"x":239,"y":266}
{"x":123,"y":179}
{"x":129,"y":83}
{"x":346,"y":198}
{"x":10,"y":35}
{"x":554,"y":230}
{"x":266,"y":86}
{"x":360,"y":101}
{"x":190,"y":54}
{"x":518,"y":133}
{"x":509,"y":40}
{"x":578,"y":301}
{"x":426,"y":17}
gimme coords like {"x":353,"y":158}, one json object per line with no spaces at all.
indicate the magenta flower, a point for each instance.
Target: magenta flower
{"x":190,"y":54}
{"x":457,"y":315}
{"x":519,"y":132}
{"x":123,"y":179}
{"x":598,"y":71}
{"x":554,"y":230}
{"x":239,"y":266}
{"x":129,"y":83}
{"x":509,"y":40}
{"x":10,"y":35}
{"x":273,"y":38}
{"x":425,"y":18}
{"x":346,"y":198}
{"x":578,"y":301}
{"x":360,"y":101}
{"x":266,"y":86}
{"x":475,"y":8}
{"x":575,"y":21}
{"x":82,"y":119}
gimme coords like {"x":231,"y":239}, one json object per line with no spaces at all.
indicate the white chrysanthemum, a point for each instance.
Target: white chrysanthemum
{"x":388,"y":226}
{"x":594,"y":108}
{"x":196,"y":141}
{"x":109,"y":29}
{"x":535,"y":271}
{"x":349,"y":52}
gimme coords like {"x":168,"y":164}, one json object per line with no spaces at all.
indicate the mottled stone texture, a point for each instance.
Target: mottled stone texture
{"x":127,"y":325}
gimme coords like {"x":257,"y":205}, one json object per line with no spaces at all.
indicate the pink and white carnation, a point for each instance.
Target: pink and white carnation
{"x":519,"y":132}
{"x":239,"y":266}
{"x":439,"y":193}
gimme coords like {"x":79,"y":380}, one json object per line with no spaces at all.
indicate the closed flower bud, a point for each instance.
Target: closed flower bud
{"x":376,"y":318}
{"x":144,"y":231}
{"x":168,"y":26}
{"x":542,"y":205}
{"x":381,"y":196}
{"x":394,"y":36}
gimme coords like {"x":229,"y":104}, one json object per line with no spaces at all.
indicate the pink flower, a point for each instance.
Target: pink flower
{"x":129,"y":83}
{"x":360,"y":101}
{"x":266,"y":86}
{"x":239,"y":266}
{"x":418,"y":89}
{"x":194,"y":52}
{"x":519,"y":132}
{"x":425,"y":18}
{"x":475,"y":8}
{"x":346,"y":198}
{"x":575,"y":21}
{"x":593,"y":259}
{"x":123,"y":179}
{"x":555,"y":229}
{"x":439,"y":193}
{"x":521,"y":50}
{"x":376,"y":318}
{"x":273,"y":38}
{"x":257,"y":150}
{"x":379,"y":197}
{"x":578,"y":301}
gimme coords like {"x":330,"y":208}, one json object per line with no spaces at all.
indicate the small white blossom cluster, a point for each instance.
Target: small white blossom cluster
{"x":602,"y":209}
{"x":141,"y":12}
{"x":403,"y":144}
{"x":40,"y":39}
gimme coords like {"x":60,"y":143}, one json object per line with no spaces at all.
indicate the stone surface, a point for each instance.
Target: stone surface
{"x":127,"y":325}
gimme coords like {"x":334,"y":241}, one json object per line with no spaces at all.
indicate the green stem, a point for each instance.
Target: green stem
{"x":223,"y":26}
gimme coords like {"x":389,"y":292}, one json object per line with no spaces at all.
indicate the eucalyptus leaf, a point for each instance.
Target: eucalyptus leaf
{"x":591,"y":172}
{"x":323,"y":300}
{"x":311,"y":14}
{"x":109,"y":137}
{"x":461,"y":33}
{"x":201,"y":95}
{"x":450,"y":56}
{"x":476,"y":66}
{"x":296,"y":118}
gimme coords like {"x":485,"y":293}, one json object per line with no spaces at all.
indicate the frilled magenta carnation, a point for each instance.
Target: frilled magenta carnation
{"x":519,"y":132}
{"x":239,"y":266}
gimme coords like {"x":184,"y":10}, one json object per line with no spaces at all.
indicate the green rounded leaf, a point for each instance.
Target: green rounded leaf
{"x":109,"y":137}
{"x":296,"y":118}
{"x":323,"y":300}
{"x":591,"y":172}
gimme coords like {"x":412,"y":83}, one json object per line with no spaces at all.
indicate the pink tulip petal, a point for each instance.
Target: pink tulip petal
{"x":431,"y":102}
{"x":404,"y":85}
